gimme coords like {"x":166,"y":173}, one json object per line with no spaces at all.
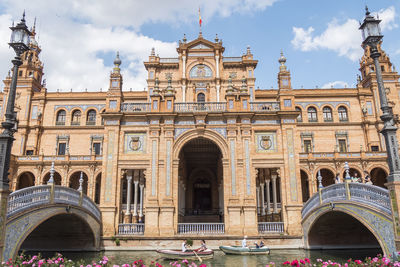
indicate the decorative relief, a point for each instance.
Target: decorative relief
{"x":266,"y":142}
{"x":180,"y":131}
{"x":83,"y":107}
{"x":169,"y":122}
{"x":113,"y":122}
{"x":266,"y":121}
{"x":292,"y":164}
{"x":135,"y":143}
{"x":319,"y":104}
{"x":288,"y":121}
{"x":212,"y":122}
{"x":184,"y":122}
{"x":221,"y":131}
{"x":154,"y":121}
{"x":200,"y":71}
{"x":200,"y":46}
{"x":134,"y":123}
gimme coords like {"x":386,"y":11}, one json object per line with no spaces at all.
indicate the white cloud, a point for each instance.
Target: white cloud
{"x":345,"y":39}
{"x":75,"y":35}
{"x":336,"y":84}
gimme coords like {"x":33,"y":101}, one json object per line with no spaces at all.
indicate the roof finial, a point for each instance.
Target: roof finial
{"x":23,"y":16}
{"x":282,"y":60}
{"x":200,"y":21}
{"x":117,"y":63}
{"x":367,"y":13}
{"x":248,"y":50}
{"x":184,"y":38}
{"x":216,"y":38}
{"x":153,"y":52}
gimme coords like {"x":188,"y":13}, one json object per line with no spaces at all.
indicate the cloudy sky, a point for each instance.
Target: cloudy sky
{"x":79,"y":38}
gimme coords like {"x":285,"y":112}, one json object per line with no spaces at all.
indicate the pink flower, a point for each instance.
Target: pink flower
{"x":185,"y":261}
{"x":286,"y":263}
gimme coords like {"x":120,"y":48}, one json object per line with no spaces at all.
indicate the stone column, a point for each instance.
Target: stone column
{"x":274,"y":193}
{"x":218,"y":91}
{"x":262,"y":199}
{"x":127,"y":217}
{"x":258,"y":199}
{"x":141,"y":203}
{"x":267,"y":182}
{"x":135,"y":202}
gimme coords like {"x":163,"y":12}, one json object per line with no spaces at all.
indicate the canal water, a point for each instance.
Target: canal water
{"x":220,"y":259}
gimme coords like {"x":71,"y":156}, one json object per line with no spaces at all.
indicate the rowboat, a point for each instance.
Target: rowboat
{"x":238,"y":250}
{"x":189,"y":254}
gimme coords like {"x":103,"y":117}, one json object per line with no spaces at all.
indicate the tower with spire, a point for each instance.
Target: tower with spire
{"x":114,"y":95}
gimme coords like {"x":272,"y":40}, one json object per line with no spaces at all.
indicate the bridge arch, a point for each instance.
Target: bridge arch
{"x":44,"y":205}
{"x":358,"y":204}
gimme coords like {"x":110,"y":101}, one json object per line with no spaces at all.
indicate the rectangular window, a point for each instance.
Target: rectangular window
{"x":342,"y":145}
{"x":113,"y":104}
{"x":20,"y":73}
{"x":287,"y":103}
{"x":169,"y":104}
{"x":244,"y":104}
{"x":61,"y":148}
{"x":382,"y":68}
{"x":230,"y":104}
{"x":250,"y":73}
{"x":97,"y":148}
{"x":29,"y":152}
{"x":369,"y":108}
{"x":34,"y":112}
{"x":307,"y":146}
{"x":151,"y":75}
{"x":374,"y":148}
{"x":155,"y":104}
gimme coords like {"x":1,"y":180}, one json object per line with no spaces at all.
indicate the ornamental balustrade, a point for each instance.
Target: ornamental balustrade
{"x":200,"y":107}
{"x":264,"y":106}
{"x":169,"y":60}
{"x":270,"y":227}
{"x":201,"y":228}
{"x":346,"y":155}
{"x":271,"y":207}
{"x":136,"y":107}
{"x":131,"y":229}
{"x":36,"y":196}
{"x":62,"y":158}
{"x":231,"y":59}
{"x":364,"y":194}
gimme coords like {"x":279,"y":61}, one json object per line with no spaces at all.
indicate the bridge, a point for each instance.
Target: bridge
{"x":50,"y":217}
{"x":349,"y":215}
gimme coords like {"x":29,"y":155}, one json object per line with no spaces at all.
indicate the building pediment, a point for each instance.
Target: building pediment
{"x":200,"y":44}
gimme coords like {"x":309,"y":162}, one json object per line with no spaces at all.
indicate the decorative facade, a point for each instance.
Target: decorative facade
{"x":202,"y":150}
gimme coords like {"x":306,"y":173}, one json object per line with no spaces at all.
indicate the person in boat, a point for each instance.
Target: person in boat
{"x":244,"y":242}
{"x":184,"y":246}
{"x":202,"y":247}
{"x":261,"y":244}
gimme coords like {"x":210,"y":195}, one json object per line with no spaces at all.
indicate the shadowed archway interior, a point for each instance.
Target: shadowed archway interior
{"x":60,"y":233}
{"x":200,"y":176}
{"x":338,"y":230}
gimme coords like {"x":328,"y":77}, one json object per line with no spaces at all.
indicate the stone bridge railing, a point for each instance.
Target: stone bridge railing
{"x":363,"y":194}
{"x":36,"y":196}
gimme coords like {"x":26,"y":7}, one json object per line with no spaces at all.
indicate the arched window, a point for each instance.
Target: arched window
{"x":300,"y":117}
{"x":342,"y":111}
{"x":60,"y":119}
{"x":76,"y":117}
{"x":91,"y":117}
{"x":201,"y":97}
{"x":327,"y":111}
{"x":312,"y":114}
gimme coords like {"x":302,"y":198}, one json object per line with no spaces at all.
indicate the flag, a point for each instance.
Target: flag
{"x":199,"y":17}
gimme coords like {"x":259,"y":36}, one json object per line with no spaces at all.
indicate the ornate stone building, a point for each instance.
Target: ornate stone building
{"x":201,"y":150}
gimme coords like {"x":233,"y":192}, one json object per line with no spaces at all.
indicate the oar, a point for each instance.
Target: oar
{"x":197,"y":256}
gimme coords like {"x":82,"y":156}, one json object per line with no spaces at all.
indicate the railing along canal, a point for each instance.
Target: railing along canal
{"x":35,"y":196}
{"x":131,"y":229}
{"x":201,"y":228}
{"x":371,"y":195}
{"x":200,"y":107}
{"x":270,"y":227}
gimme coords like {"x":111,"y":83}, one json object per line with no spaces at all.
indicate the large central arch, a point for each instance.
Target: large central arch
{"x":200,"y":170}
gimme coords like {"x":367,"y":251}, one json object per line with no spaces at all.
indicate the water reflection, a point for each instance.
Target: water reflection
{"x":220,"y":259}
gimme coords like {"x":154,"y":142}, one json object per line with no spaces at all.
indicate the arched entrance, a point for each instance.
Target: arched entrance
{"x":57,"y":178}
{"x":328,"y":177}
{"x":26,"y":179}
{"x":74,"y":181}
{"x":200,"y":182}
{"x":378,"y":177}
{"x":304,"y":186}
{"x":338,"y":230}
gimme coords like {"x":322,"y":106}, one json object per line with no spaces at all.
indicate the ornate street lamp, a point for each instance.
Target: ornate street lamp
{"x":20,"y":43}
{"x":371,"y":33}
{"x":372,"y":36}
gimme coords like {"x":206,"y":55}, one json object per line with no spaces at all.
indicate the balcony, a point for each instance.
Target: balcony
{"x":131,"y":229}
{"x":75,"y":123}
{"x":136,"y":107}
{"x":265,"y":106}
{"x":90,"y":122}
{"x":201,"y":228}
{"x":200,"y":107}
{"x":345,"y":155}
{"x":60,"y":122}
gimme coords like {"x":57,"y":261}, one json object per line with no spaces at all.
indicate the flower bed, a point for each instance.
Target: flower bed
{"x":60,"y":260}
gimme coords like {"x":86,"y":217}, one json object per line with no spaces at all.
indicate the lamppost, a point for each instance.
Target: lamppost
{"x":19,"y":41}
{"x":372,"y":36}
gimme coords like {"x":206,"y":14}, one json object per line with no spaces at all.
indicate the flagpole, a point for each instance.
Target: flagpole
{"x":200,"y":21}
